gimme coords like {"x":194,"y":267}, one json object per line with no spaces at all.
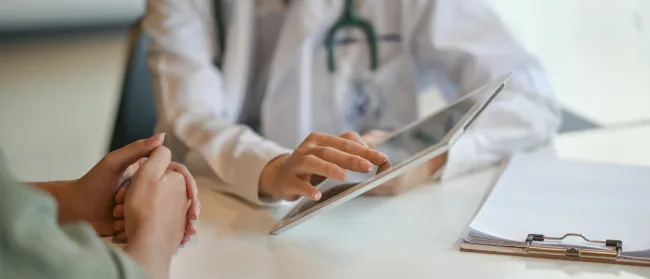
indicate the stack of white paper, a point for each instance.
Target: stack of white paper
{"x":549,"y":196}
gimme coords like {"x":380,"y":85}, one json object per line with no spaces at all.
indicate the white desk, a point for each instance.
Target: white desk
{"x":625,"y":145}
{"x":414,"y":235}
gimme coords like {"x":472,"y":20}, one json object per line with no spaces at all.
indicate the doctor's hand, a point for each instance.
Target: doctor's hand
{"x":411,"y":179}
{"x":190,"y":188}
{"x":319,"y":157}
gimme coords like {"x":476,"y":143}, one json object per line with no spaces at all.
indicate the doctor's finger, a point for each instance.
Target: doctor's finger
{"x":342,"y":159}
{"x":353,"y":136}
{"x":353,"y":147}
{"x":312,"y":164}
{"x":299,"y":187}
{"x":373,"y":137}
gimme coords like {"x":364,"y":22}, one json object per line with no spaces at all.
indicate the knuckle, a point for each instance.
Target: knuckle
{"x":176,"y":177}
{"x":321,"y":151}
{"x":314,"y":136}
{"x":302,"y":149}
{"x":350,"y":135}
{"x":346,"y":145}
{"x":307,"y":159}
{"x":311,"y":137}
{"x":178,"y":165}
{"x":182,"y":168}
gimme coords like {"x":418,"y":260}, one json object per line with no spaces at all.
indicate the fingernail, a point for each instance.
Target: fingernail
{"x":366,"y":165}
{"x":157,"y":139}
{"x":316,"y":196}
{"x":115,"y":212}
{"x":115,"y":226}
{"x":343,"y":175}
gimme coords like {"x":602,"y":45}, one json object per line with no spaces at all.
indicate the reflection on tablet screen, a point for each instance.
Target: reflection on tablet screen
{"x":327,"y":194}
{"x":425,"y":134}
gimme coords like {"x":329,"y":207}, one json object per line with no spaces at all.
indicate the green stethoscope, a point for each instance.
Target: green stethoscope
{"x":349,"y":19}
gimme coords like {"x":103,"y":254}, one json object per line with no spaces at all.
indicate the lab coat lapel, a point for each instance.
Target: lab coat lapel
{"x":287,"y":108}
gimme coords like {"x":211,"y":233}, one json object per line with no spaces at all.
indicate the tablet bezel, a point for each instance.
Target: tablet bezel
{"x":402,"y":167}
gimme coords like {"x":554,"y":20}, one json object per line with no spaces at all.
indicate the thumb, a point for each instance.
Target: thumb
{"x":119,"y":160}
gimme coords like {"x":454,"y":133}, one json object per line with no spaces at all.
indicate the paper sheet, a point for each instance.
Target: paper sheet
{"x":546,"y":195}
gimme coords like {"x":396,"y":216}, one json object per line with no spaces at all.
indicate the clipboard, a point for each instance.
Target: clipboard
{"x":518,"y":218}
{"x":533,"y":250}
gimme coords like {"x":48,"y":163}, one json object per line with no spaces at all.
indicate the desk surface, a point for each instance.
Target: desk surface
{"x":414,"y":235}
{"x":629,"y":145}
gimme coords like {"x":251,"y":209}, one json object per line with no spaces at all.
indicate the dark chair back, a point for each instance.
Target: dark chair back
{"x":136,"y":116}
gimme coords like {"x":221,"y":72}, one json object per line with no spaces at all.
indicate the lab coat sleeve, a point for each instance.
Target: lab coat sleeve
{"x":33,"y":245}
{"x":191,"y":101}
{"x":474,"y":48}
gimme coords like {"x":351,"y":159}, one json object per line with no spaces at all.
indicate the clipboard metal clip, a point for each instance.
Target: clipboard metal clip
{"x":613,"y":254}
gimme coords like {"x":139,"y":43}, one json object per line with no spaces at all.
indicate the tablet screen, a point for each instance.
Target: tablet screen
{"x":401,"y":146}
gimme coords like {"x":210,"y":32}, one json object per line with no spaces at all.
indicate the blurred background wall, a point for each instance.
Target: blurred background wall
{"x":61,"y":66}
{"x":22,"y":15}
{"x":62,"y":62}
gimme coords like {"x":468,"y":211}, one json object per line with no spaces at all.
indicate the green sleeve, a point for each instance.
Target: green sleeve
{"x":33,"y":245}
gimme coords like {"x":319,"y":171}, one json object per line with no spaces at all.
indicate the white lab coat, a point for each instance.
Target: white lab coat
{"x":275,"y":70}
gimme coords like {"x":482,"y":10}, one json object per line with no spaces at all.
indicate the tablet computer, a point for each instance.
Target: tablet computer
{"x":406,"y":148}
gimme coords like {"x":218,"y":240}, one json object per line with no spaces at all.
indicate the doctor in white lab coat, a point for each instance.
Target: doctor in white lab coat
{"x":240,"y":122}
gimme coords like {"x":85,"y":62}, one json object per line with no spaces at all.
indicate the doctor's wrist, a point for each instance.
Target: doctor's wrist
{"x":269,"y":175}
{"x":436,"y":163}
